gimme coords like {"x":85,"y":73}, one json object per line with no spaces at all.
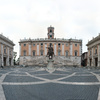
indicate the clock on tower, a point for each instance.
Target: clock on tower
{"x":50,"y":32}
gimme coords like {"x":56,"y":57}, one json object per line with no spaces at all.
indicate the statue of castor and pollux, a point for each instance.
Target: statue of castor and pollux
{"x":50,"y":52}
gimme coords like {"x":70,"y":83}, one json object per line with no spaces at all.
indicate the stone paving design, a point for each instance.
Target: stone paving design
{"x":63,"y":77}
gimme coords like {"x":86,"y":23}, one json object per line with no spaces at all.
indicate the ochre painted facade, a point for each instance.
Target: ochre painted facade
{"x":61,"y":47}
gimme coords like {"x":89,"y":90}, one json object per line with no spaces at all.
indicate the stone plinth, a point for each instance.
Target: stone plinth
{"x":50,"y":64}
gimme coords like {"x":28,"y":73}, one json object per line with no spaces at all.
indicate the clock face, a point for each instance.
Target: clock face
{"x":50,"y":33}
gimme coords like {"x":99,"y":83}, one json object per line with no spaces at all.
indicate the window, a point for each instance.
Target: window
{"x":24,"y":53}
{"x":75,"y":45}
{"x":66,"y":44}
{"x":51,"y":44}
{"x":90,"y":52}
{"x":50,"y":30}
{"x":41,"y":53}
{"x":10,"y":52}
{"x":58,"y":53}
{"x":66,"y":53}
{"x":33,"y":53}
{"x":41,"y":44}
{"x":95,"y":51}
{"x":58,"y":44}
{"x":24,"y":45}
{"x":50,"y":36}
{"x":33,"y":45}
{"x":75,"y":53}
{"x":5,"y":50}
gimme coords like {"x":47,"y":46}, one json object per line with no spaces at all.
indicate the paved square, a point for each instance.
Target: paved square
{"x":39,"y":83}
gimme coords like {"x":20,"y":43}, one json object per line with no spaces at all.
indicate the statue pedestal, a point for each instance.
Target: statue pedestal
{"x":50,"y":64}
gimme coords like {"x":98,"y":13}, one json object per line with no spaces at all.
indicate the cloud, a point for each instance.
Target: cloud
{"x":30,"y":19}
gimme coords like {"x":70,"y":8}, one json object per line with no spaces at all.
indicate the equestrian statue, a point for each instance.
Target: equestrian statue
{"x":50,"y":52}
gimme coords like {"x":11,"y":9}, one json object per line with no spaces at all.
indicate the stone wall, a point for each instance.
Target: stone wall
{"x":58,"y":61}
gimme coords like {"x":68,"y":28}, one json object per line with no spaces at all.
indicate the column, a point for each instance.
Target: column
{"x":12,"y":63}
{"x":2,"y":63}
{"x":99,"y":55}
{"x":71,"y":48}
{"x":80,"y":52}
{"x":30,"y":49}
{"x":63,"y":49}
{"x":19,"y":49}
{"x":37,"y":49}
{"x":55,"y":49}
{"x":92,"y":58}
{"x":45,"y":49}
{"x":7,"y":57}
{"x":88,"y":62}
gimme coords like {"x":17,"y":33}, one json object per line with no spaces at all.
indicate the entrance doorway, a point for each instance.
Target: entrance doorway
{"x":90,"y":61}
{"x":96,"y":62}
{"x":10,"y":61}
{"x":4,"y":60}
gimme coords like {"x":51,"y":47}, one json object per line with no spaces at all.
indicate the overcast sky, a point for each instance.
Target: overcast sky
{"x":21,"y":19}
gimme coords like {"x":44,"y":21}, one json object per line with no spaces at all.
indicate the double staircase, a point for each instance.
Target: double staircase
{"x":58,"y":61}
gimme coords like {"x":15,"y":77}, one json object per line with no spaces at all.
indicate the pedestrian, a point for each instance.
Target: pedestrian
{"x":1,"y":66}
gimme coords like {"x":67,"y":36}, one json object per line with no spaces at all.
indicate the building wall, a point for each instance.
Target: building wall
{"x":94,"y":47}
{"x":34,"y":48}
{"x":71,"y":48}
{"x":6,"y":51}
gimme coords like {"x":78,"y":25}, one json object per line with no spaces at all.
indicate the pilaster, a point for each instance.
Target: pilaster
{"x":29,"y":49}
{"x":2,"y":63}
{"x":7,"y":57}
{"x":99,"y":55}
{"x":88,"y":62}
{"x":12,"y":59}
{"x":45,"y":49}
{"x":92,"y":58}
{"x":63,"y":49}
{"x":71,"y":48}
{"x":55,"y":49}
{"x":37,"y":49}
{"x":20,"y":49}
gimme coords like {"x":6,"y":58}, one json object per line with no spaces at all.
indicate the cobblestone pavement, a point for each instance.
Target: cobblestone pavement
{"x":39,"y":83}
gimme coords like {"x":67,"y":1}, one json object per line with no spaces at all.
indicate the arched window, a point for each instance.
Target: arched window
{"x":50,"y":30}
{"x":75,"y":44}
{"x":34,"y":45}
{"x":5,"y":50}
{"x":58,"y":53}
{"x":96,"y":51}
{"x":41,"y":53}
{"x":66,"y":53}
{"x":90,"y":52}
{"x":24,"y":45}
{"x":76,"y":53}
{"x":50,"y":36}
{"x":58,"y":44}
{"x":33,"y":53}
{"x":41,"y":44}
{"x":24,"y":52}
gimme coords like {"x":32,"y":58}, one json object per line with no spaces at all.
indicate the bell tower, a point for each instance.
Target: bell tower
{"x":50,"y":32}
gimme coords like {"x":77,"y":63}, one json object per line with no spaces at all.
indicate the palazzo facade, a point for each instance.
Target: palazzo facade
{"x":65,"y":49}
{"x":94,"y":52}
{"x":6,"y":51}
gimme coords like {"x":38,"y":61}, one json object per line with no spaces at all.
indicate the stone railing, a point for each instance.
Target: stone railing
{"x":57,"y":39}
